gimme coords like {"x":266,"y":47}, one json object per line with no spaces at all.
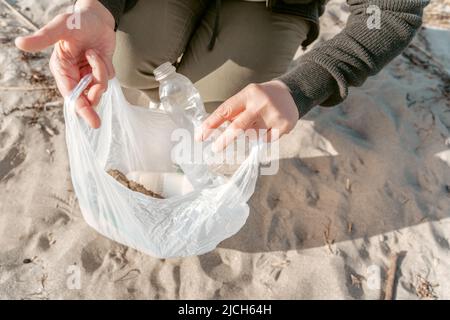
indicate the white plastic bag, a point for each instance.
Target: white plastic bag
{"x":138,"y":139}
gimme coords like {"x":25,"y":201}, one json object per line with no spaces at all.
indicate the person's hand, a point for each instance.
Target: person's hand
{"x":77,"y":52}
{"x":268,"y":106}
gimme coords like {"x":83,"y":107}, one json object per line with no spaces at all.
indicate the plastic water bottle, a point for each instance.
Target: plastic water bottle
{"x":179,"y":98}
{"x":182,"y":101}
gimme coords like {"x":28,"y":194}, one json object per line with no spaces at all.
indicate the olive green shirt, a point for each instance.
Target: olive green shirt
{"x":323,"y":75}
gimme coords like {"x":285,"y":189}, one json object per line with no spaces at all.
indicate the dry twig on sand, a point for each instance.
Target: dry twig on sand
{"x":327,"y":236}
{"x":20,"y":16}
{"x":25,"y":88}
{"x":349,"y":227}
{"x":390,"y":281}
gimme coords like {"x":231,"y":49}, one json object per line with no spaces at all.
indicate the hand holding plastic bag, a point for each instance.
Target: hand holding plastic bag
{"x":137,"y":139}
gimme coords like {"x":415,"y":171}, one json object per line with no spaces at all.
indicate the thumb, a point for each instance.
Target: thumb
{"x":51,"y":33}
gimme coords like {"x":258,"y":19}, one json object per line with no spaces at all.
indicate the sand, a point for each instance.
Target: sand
{"x":131,"y":184}
{"x":358,"y":183}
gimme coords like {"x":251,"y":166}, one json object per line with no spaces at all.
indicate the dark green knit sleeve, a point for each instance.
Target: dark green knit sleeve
{"x":323,"y":75}
{"x":118,"y":7}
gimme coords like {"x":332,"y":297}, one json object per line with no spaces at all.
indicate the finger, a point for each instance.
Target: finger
{"x":110,"y":68}
{"x":271,"y":135}
{"x":95,"y":94}
{"x":244,"y":121}
{"x":262,"y":135}
{"x":100,"y":77}
{"x":83,"y":106}
{"x":107,"y":61}
{"x":267,"y":136}
{"x":67,"y":77}
{"x":225,"y":112}
{"x":87,"y":112}
{"x":259,"y":128}
{"x":54,"y":31}
{"x":66,"y":74}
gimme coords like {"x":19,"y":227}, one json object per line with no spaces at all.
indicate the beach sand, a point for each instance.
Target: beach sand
{"x":358,"y":184}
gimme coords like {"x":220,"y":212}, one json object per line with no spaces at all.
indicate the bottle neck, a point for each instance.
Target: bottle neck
{"x":164,"y":71}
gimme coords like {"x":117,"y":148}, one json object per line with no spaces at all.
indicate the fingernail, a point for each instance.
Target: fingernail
{"x":17,"y":40}
{"x":90,"y":54}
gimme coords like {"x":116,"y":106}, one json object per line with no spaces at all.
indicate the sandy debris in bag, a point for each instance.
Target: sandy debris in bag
{"x":132,"y":185}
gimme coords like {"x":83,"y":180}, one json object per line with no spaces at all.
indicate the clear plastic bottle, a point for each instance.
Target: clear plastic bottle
{"x":179,"y":97}
{"x":182,"y":101}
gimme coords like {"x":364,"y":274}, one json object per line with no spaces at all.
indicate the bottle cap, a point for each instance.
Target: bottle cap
{"x":163,"y":71}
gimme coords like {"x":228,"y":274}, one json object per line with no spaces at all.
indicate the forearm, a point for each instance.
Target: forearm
{"x":324,"y":75}
{"x":97,"y":7}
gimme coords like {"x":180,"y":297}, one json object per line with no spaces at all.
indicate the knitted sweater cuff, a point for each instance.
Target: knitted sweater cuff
{"x":311,"y":85}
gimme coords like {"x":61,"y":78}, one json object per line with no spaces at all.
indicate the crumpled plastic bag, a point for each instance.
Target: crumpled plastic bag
{"x":133,"y":139}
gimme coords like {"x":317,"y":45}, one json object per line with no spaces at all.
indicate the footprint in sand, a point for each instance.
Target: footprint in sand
{"x":270,"y":266}
{"x":280,"y":234}
{"x":12,"y":153}
{"x":45,"y":241}
{"x":58,"y":218}
{"x":13,"y":159}
{"x":92,"y":256}
{"x":165,"y":280}
{"x":441,"y":240}
{"x":353,"y":283}
{"x":231,"y":269}
{"x":214,"y":266}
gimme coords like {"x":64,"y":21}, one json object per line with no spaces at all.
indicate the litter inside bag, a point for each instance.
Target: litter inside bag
{"x":188,"y":218}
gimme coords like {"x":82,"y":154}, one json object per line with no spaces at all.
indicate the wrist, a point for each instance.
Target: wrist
{"x":282,"y":95}
{"x":99,"y":9}
{"x":280,"y":84}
